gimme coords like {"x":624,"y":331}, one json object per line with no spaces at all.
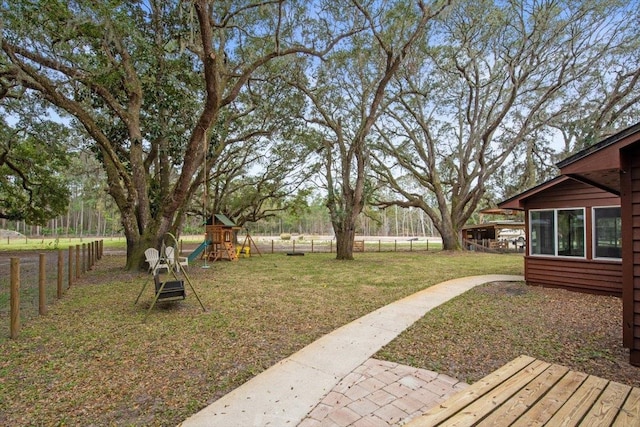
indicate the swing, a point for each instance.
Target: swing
{"x":169,"y":290}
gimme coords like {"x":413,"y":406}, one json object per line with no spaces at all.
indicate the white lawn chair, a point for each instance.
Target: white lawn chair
{"x":173,"y":260}
{"x":152,"y":256}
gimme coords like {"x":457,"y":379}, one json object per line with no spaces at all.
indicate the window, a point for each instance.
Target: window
{"x":557,"y":232}
{"x":607,"y":230}
{"x":542,"y":227}
{"x":570,"y":232}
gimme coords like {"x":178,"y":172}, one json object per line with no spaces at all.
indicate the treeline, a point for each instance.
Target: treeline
{"x":90,"y":218}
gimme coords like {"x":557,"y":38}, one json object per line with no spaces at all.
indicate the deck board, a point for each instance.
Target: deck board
{"x":579,"y":403}
{"x":530,"y":392}
{"x":606,"y":408}
{"x":485,"y":405}
{"x":545,"y":408}
{"x":510,"y":411}
{"x":630,"y":412}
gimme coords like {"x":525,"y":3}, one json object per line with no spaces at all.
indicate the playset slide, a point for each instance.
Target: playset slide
{"x":193,"y":255}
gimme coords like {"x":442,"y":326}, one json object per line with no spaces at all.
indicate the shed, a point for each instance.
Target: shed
{"x":583,"y":227}
{"x":501,"y":235}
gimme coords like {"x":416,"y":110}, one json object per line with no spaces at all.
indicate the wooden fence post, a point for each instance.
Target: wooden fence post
{"x":77,"y":261}
{"x":70,"y":265}
{"x":60,"y":272}
{"x":272,"y":246}
{"x":311,"y":245}
{"x":91,"y":255}
{"x":379,"y":246}
{"x":15,"y":298}
{"x":42,"y":293}
{"x":84,"y":258}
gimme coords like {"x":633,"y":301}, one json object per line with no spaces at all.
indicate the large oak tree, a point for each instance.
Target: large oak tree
{"x":145,"y":81}
{"x":488,"y":85}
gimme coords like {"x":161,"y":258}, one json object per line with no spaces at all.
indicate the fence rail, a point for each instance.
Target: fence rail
{"x":329,"y":246}
{"x":27,"y":281}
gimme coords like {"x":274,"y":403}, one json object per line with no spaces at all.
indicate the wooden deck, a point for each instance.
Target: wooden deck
{"x":530,"y":392}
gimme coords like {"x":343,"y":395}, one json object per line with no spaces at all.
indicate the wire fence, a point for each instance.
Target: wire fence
{"x":30,"y":282}
{"x":276,"y":245}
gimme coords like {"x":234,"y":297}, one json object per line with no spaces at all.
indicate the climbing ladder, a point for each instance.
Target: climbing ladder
{"x":231,"y":252}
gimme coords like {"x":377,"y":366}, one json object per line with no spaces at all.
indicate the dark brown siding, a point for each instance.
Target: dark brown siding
{"x":630,"y":192}
{"x":586,"y":275}
{"x":571,"y":194}
{"x":600,"y":277}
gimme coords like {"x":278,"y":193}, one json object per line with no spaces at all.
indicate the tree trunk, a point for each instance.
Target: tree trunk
{"x":135,"y":255}
{"x":450,"y":240}
{"x":135,"y":251}
{"x":449,"y":231}
{"x":344,"y":241}
{"x":344,"y":214}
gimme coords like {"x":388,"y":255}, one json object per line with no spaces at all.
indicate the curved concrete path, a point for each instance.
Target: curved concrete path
{"x":284,"y":394}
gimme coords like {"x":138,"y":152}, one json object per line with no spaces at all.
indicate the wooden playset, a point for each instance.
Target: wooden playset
{"x":220,"y":233}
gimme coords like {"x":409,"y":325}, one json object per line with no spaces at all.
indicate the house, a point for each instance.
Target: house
{"x":583,"y":227}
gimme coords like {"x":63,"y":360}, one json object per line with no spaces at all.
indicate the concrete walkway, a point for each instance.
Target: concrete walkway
{"x":287,"y":393}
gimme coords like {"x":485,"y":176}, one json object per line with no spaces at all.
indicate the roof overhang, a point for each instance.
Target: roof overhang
{"x":600,"y":164}
{"x":517,"y":202}
{"x":498,"y":211}
{"x":495,"y":225}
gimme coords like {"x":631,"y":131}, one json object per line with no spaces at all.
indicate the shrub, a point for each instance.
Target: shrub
{"x":285,"y":236}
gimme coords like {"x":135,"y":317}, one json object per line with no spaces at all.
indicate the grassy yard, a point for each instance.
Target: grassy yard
{"x":92,"y":360}
{"x":53,"y":243}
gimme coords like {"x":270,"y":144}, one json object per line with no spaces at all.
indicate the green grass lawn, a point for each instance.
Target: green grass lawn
{"x":92,"y":360}
{"x":52,"y":243}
